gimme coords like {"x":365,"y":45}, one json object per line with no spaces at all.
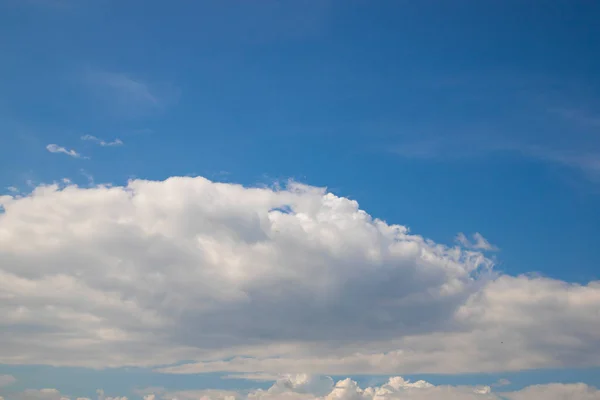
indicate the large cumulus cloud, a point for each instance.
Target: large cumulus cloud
{"x":264,"y":280}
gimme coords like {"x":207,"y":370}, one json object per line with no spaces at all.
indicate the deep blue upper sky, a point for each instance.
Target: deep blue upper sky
{"x":444,"y":116}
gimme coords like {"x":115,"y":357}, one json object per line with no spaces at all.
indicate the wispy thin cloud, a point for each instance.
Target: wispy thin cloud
{"x":6,"y":380}
{"x":579,"y":116}
{"x":501,"y":382}
{"x":130,"y":95}
{"x":88,"y":176}
{"x":101,"y":142}
{"x":586,"y":161}
{"x":478,"y":242}
{"x":129,"y":87}
{"x":257,"y":377}
{"x":555,"y":122}
{"x":141,"y":131}
{"x":577,"y":156}
{"x":454,"y":146}
{"x":54,"y":148}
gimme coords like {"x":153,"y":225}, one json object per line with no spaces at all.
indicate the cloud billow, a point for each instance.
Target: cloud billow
{"x":256,"y":280}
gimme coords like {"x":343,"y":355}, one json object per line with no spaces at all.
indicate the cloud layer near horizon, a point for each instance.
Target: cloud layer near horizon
{"x":262,"y":280}
{"x":305,"y":387}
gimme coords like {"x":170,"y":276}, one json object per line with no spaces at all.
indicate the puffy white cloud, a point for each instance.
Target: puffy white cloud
{"x":271,"y":281}
{"x":302,"y":383}
{"x":396,"y":388}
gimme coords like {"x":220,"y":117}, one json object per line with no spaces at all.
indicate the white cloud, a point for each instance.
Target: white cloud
{"x":261,"y":281}
{"x":556,"y":391}
{"x":478,"y":243}
{"x":54,"y":148}
{"x":397,"y":388}
{"x":102,"y":396}
{"x":306,"y":387}
{"x":6,"y":380}
{"x":513,"y":323}
{"x":101,"y":142}
{"x":41,"y":394}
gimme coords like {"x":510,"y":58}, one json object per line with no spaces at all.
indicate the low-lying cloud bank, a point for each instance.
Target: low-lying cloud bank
{"x":304,"y":387}
{"x":269,"y":281}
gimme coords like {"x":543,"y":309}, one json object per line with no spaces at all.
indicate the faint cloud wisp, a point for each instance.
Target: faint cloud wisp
{"x":6,"y":380}
{"x":54,"y":148}
{"x":478,"y":243}
{"x":582,"y":157}
{"x":101,"y":142}
{"x":129,"y":96}
{"x":581,"y":117}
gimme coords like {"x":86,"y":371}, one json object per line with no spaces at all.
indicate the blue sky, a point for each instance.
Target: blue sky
{"x":444,"y":117}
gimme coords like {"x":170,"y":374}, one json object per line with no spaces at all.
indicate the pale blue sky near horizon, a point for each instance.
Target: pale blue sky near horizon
{"x":464,"y":116}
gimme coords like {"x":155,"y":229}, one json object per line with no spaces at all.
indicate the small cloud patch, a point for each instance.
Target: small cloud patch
{"x":478,"y":243}
{"x":54,"y":148}
{"x":101,"y":142}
